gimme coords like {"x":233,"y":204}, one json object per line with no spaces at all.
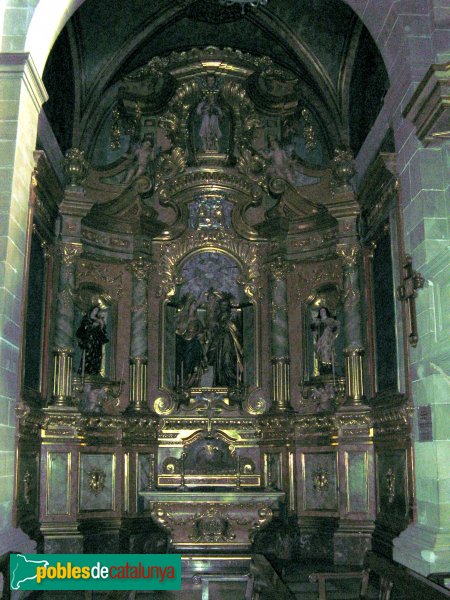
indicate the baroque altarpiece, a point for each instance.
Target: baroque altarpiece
{"x":201,"y":347}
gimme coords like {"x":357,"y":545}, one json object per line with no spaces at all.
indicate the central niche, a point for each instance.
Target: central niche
{"x":209,"y":326}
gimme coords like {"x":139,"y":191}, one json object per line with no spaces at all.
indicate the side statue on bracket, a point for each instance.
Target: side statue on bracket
{"x":325,"y":331}
{"x":91,"y":335}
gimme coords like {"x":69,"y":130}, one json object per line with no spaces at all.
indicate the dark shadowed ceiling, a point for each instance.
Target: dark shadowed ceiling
{"x":322,"y":41}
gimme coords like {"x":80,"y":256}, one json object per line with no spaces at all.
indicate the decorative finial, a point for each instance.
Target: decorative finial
{"x":75,"y":166}
{"x":343,"y":166}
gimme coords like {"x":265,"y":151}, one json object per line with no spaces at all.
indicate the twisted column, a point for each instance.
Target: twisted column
{"x":354,"y":350}
{"x":63,"y":350}
{"x":280,"y":335}
{"x":139,"y":336}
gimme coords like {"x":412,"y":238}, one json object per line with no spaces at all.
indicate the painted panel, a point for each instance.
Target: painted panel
{"x":97,"y":482}
{"x":320,"y":490}
{"x":58,"y":483}
{"x":356,"y":473}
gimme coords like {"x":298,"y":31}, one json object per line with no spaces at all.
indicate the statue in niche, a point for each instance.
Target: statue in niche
{"x":190,"y":360}
{"x":225,"y":352}
{"x":143,"y":156}
{"x":210,"y":132}
{"x":91,"y":335}
{"x":325,"y":331}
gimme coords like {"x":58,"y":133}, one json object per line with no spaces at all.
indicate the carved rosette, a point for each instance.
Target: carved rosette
{"x":256,"y":405}
{"x":96,"y":481}
{"x":320,"y":479}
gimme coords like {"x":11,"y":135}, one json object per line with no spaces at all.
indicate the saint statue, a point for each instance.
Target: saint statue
{"x":189,"y":352}
{"x":92,"y":336}
{"x":325,"y":331}
{"x":225,"y":351}
{"x":210,"y":132}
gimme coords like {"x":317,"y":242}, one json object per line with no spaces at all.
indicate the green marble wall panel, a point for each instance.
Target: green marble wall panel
{"x":34,"y":316}
{"x":145,"y":476}
{"x":58,"y":483}
{"x":27,"y":486}
{"x":392,"y":497}
{"x":273,"y":470}
{"x":97,"y":482}
{"x":168,"y":376}
{"x":248,"y":332}
{"x":356,"y":472}
{"x":320,"y":492}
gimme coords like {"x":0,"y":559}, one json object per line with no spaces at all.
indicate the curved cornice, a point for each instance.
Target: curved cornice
{"x":320,"y":88}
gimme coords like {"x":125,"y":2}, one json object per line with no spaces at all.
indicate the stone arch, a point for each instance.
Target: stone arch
{"x":381,"y":17}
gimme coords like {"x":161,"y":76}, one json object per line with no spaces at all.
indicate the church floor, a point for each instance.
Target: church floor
{"x":294,"y":575}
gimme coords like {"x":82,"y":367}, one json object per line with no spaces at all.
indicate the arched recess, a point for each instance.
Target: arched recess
{"x":196,"y":297}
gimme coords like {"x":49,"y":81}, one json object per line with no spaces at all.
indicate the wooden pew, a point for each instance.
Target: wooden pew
{"x":410,"y":585}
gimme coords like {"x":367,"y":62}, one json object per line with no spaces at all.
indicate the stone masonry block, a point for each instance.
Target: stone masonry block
{"x":16,"y":21}
{"x":426,"y":170}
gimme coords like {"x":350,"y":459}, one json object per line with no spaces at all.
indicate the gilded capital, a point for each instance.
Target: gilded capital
{"x":69,"y":253}
{"x":139,"y":267}
{"x":280,"y":268}
{"x":349,"y":254}
{"x":138,"y":360}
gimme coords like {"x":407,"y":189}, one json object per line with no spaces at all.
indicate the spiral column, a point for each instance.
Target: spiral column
{"x":354,"y":350}
{"x":139,"y":268}
{"x":65,"y":312}
{"x":280,"y":335}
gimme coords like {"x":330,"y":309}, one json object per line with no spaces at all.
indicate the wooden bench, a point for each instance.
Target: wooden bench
{"x":391,"y":575}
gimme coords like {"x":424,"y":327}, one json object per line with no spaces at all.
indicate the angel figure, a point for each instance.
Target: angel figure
{"x":141,"y":159}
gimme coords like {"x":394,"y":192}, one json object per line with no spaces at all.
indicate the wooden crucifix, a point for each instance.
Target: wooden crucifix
{"x":407,"y":292}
